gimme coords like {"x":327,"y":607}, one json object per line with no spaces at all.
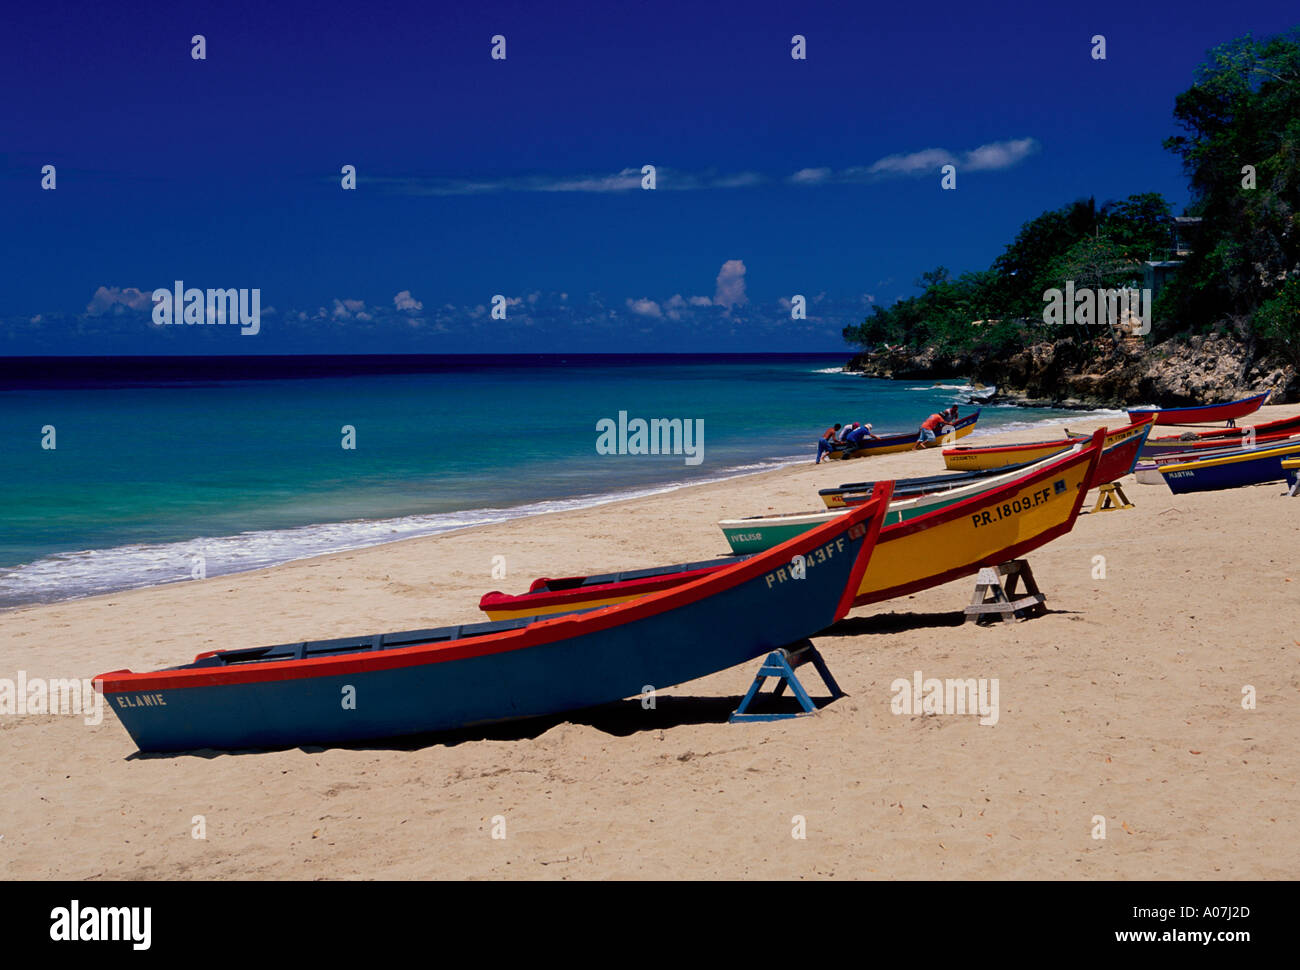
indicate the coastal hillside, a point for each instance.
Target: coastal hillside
{"x":1103,"y":304}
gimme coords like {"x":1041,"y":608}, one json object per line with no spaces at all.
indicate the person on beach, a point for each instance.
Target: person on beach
{"x":931,"y":425}
{"x":855,"y":437}
{"x":827,"y":442}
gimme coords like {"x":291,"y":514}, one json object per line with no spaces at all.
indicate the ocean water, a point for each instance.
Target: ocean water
{"x":156,"y":469}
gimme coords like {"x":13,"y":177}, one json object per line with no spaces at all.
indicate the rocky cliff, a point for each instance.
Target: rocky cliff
{"x":1066,"y":373}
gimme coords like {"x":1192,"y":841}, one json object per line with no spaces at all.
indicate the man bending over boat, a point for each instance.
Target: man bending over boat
{"x":858,"y":435}
{"x":827,"y":442}
{"x":931,"y":425}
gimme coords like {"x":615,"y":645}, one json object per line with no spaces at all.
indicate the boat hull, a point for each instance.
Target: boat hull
{"x":706,"y":624}
{"x":1204,"y":414}
{"x":1120,"y":454}
{"x":1115,"y":462}
{"x":1221,"y":437}
{"x":987,"y":458}
{"x":1213,"y":473}
{"x":1291,"y":466}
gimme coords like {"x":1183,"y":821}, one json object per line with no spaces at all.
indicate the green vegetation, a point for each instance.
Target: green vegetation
{"x":1243,"y":109}
{"x":1100,"y":247}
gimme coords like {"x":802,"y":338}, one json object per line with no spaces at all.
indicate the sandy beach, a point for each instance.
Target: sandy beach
{"x":1124,"y":701}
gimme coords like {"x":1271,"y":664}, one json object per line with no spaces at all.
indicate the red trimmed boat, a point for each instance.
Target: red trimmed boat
{"x":1192,"y":441}
{"x":431,"y":680}
{"x":1204,"y":414}
{"x":1119,"y":454}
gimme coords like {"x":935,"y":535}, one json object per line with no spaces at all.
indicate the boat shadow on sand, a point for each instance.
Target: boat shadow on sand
{"x":620,"y":719}
{"x":854,"y":626}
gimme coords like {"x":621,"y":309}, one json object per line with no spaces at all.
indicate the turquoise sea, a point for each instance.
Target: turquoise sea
{"x":154,"y":466}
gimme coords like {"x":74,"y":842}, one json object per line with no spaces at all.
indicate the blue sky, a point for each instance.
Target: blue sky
{"x":521,"y":177}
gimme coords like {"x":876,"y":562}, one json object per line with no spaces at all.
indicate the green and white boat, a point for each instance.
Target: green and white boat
{"x":757,"y":533}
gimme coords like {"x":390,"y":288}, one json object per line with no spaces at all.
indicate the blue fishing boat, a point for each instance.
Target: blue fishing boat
{"x":430,"y":680}
{"x":1246,"y":466}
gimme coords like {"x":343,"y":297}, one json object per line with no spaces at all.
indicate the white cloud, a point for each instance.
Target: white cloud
{"x":731,"y":284}
{"x":810,"y":176}
{"x":118,"y":299}
{"x":700,"y":301}
{"x":986,"y":158}
{"x":999,"y":154}
{"x":404,"y":301}
{"x":345,"y":309}
{"x":645,"y":308}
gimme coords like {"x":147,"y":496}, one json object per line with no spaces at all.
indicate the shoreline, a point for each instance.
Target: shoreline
{"x":365,"y":533}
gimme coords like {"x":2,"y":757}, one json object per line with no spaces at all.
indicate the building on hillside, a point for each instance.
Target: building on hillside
{"x":1183,"y":233}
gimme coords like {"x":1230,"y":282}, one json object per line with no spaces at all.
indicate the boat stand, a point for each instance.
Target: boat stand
{"x":781,"y":664}
{"x":995,"y":599}
{"x":1111,"y":497}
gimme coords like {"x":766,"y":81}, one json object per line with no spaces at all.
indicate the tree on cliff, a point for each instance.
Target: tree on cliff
{"x":1095,"y":246}
{"x":1241,"y":153}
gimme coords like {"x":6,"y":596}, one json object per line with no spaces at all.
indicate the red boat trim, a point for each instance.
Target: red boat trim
{"x":497,"y":600}
{"x":542,"y":632}
{"x":1062,"y":443}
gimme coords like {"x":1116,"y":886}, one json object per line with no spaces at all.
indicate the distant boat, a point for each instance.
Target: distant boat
{"x":1118,"y":458}
{"x":1247,"y":466}
{"x":1148,"y":469}
{"x":888,"y":444}
{"x":989,"y":457}
{"x":1205,"y":413}
{"x":432,"y":680}
{"x":1220,"y":437}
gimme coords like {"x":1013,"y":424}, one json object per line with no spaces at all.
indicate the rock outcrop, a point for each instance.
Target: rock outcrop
{"x":1179,"y":372}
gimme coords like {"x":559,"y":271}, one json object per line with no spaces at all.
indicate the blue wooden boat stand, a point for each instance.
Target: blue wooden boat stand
{"x":781,"y":664}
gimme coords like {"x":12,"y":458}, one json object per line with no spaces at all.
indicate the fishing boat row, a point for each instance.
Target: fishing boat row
{"x":924,"y":542}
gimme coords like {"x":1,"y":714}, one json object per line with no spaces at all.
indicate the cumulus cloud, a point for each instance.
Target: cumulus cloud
{"x":645,"y":308}
{"x":731,"y":284}
{"x":347,"y":309}
{"x":404,"y":301}
{"x":118,"y":299}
